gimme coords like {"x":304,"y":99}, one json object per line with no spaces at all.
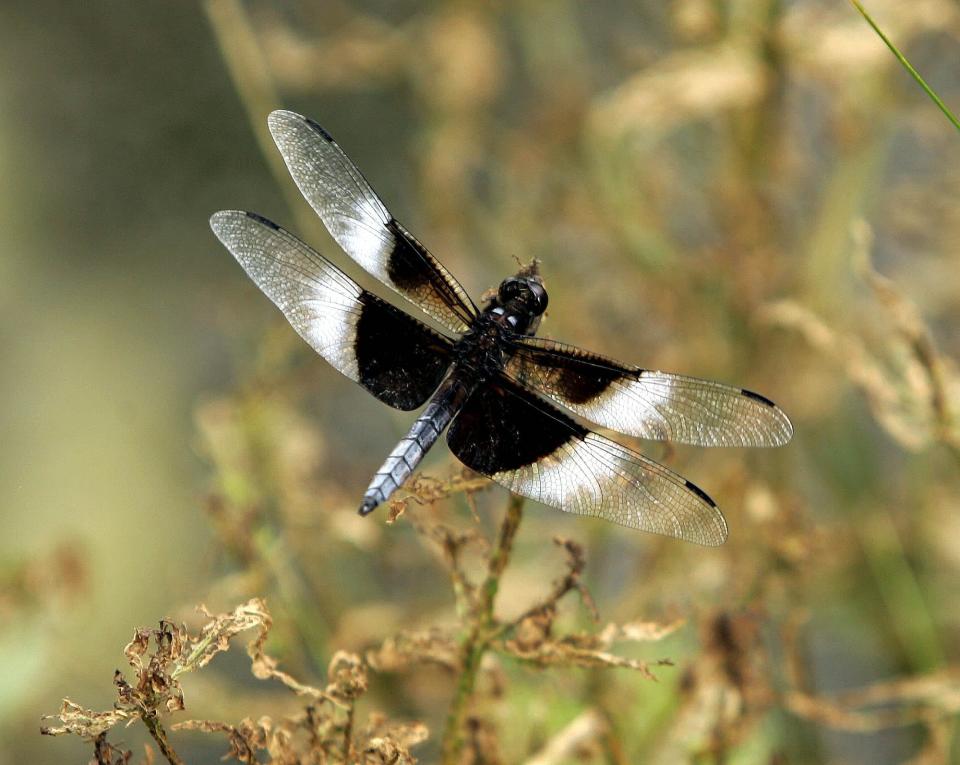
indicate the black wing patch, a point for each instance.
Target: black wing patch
{"x":357,"y":218}
{"x":531,"y":448}
{"x":398,"y":359}
{"x":647,"y":403}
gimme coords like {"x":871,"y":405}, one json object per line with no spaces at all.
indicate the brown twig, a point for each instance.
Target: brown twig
{"x":576,"y":562}
{"x":152,"y":721}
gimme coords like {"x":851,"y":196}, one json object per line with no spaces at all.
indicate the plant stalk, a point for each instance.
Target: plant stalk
{"x":152,"y":721}
{"x":476,"y":639}
{"x":931,"y":93}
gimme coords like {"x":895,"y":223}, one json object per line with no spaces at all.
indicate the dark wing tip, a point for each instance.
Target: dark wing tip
{"x":719,"y":535}
{"x":280,"y":118}
{"x":758,"y":397}
{"x":319,"y":128}
{"x":219,"y":220}
{"x":780,"y":415}
{"x":263,"y":221}
{"x":700,"y":493}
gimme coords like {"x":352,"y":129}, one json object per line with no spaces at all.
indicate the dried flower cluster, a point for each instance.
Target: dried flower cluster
{"x":323,"y":732}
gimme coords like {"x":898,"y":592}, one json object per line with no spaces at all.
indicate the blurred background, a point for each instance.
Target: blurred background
{"x":746,"y":190}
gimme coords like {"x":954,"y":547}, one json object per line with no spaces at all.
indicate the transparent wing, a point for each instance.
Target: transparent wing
{"x":357,"y":218}
{"x":532,"y":449}
{"x":646,"y":403}
{"x":398,"y":359}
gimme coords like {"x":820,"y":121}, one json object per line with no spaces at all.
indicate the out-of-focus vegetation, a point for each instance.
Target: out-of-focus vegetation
{"x":752,"y":191}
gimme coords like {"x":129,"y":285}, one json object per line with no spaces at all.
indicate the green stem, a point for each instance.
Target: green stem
{"x":500,"y":557}
{"x":907,"y":65}
{"x":476,"y":640}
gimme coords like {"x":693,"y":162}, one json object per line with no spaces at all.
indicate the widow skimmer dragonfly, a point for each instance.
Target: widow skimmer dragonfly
{"x":490,"y":380}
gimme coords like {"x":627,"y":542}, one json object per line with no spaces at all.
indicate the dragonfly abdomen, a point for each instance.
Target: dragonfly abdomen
{"x":423,"y":434}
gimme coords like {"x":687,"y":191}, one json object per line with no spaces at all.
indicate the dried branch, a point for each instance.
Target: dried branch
{"x":107,"y":754}
{"x":566,"y":653}
{"x":426,"y":490}
{"x":157,"y":692}
{"x":399,"y":652}
{"x":916,"y":334}
{"x":912,"y":389}
{"x":576,"y":563}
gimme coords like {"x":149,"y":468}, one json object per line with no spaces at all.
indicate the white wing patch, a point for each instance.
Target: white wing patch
{"x":330,"y":182}
{"x":645,"y":403}
{"x":320,"y":301}
{"x":597,"y":477}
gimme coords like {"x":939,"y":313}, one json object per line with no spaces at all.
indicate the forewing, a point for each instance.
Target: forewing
{"x":357,"y":218}
{"x":531,"y":448}
{"x":398,"y":359}
{"x":647,"y":403}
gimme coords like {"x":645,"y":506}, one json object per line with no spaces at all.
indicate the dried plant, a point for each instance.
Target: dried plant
{"x":912,"y":389}
{"x":323,"y":732}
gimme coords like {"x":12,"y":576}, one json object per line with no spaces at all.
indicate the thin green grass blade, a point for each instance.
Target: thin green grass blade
{"x":907,"y":65}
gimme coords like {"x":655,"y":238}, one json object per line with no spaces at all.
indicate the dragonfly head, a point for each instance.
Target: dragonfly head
{"x":524,"y":291}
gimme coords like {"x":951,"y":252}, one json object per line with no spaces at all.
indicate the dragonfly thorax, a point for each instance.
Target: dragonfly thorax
{"x":482,"y":348}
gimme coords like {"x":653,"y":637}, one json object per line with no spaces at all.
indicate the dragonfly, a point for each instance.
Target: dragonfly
{"x":509,"y":401}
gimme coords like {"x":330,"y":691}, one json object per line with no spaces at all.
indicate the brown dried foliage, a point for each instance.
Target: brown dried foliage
{"x":912,"y":388}
{"x":324,"y":731}
{"x":321,"y":732}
